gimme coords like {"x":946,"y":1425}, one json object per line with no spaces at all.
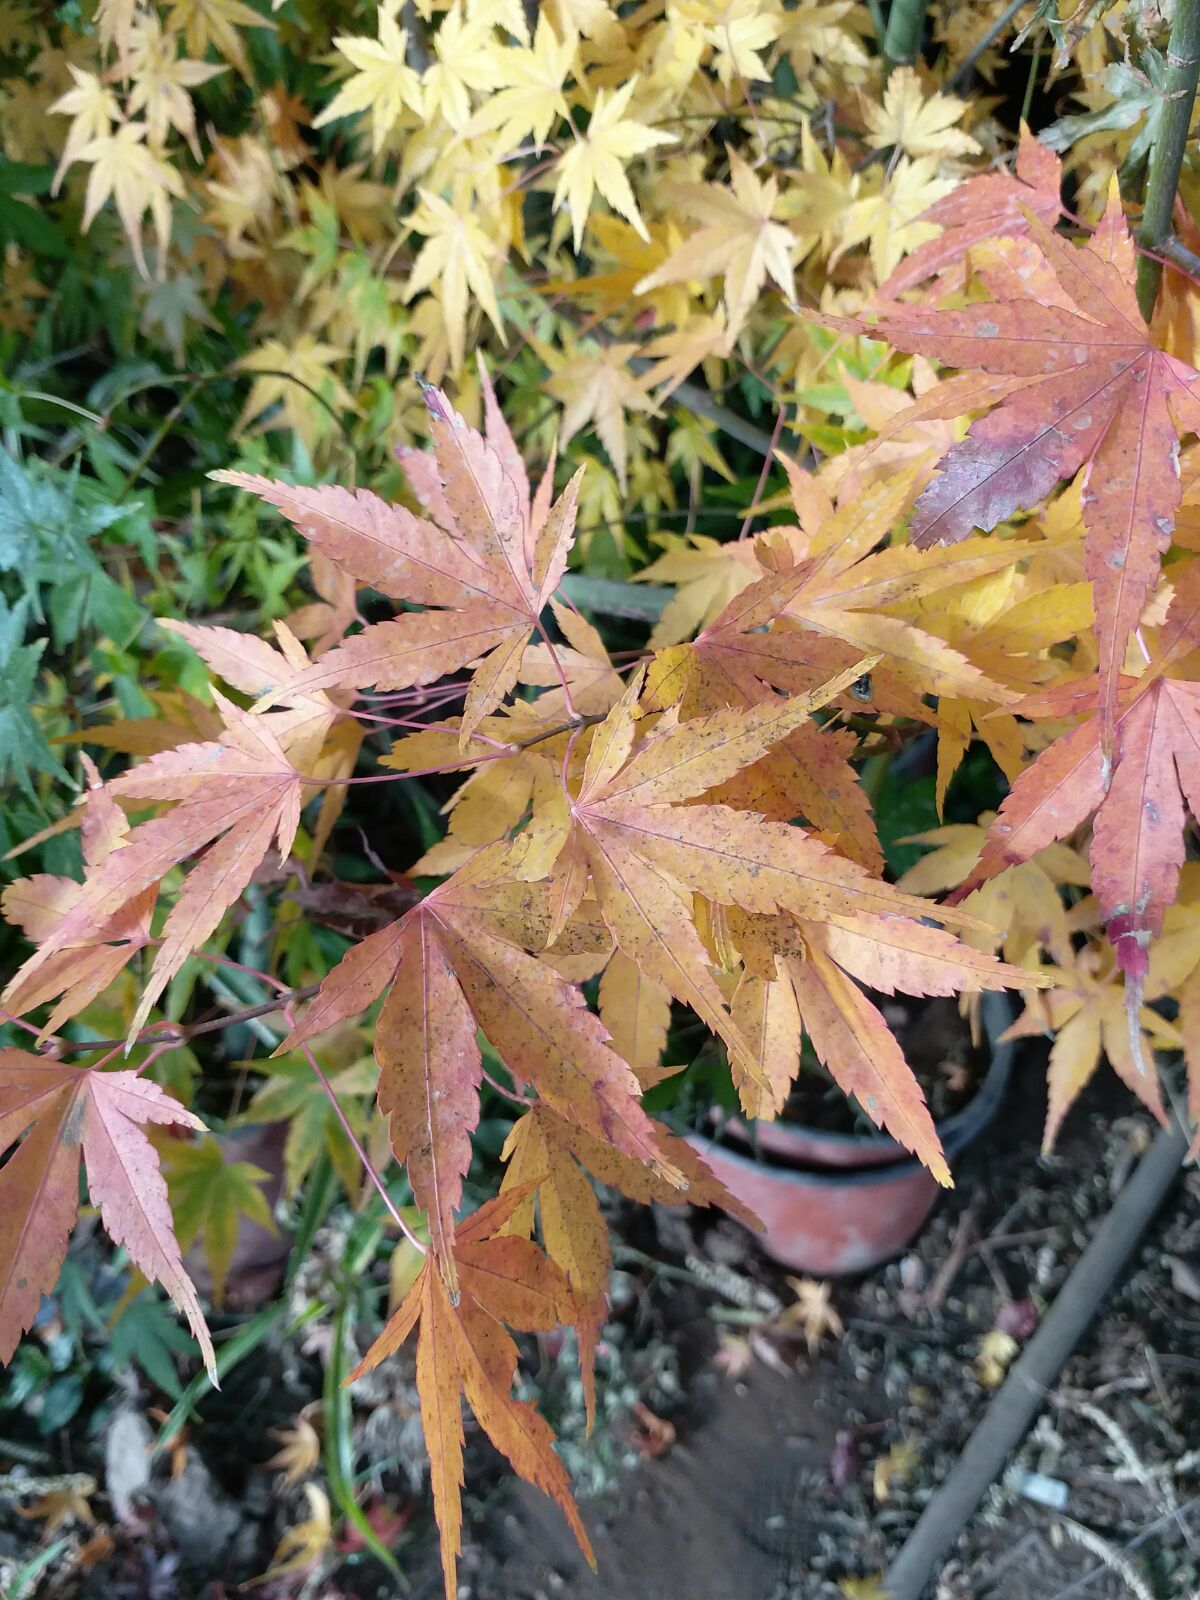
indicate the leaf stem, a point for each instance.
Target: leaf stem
{"x":367,"y":1164}
{"x":1166,"y":158}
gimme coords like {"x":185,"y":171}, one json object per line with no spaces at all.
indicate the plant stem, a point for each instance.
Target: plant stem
{"x":905,"y":28}
{"x":1179,"y":91}
{"x":178,"y":1032}
{"x":368,"y":1165}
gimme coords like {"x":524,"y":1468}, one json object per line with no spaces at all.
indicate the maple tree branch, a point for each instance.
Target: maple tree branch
{"x":985,"y":41}
{"x":1166,"y":156}
{"x":581,"y":721}
{"x":180,"y":1032}
{"x":1178,"y":254}
{"x":905,"y":29}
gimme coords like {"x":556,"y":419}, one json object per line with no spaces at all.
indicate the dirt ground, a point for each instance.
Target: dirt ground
{"x":783,"y":1484}
{"x":756,"y":1470}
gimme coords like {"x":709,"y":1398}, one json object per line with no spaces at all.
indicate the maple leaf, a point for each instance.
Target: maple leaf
{"x":634,"y":258}
{"x":1073,"y":382}
{"x":383,"y":83}
{"x":464,"y":1349}
{"x":138,"y":179}
{"x":94,"y":109}
{"x":486,"y":569}
{"x":310,"y":360}
{"x":530,"y":98}
{"x":707,"y":575}
{"x":1090,"y":1016}
{"x":741,"y":241}
{"x":637,"y":1013}
{"x":674,"y":355}
{"x":596,"y":161}
{"x":235,"y":796}
{"x":737,"y":31}
{"x":1140,"y":799}
{"x":306,"y":1542}
{"x":209,"y":1196}
{"x":161,"y":80}
{"x":299,"y":1450}
{"x":548,"y":1162}
{"x":464,"y":59}
{"x":459,"y":256}
{"x":64,"y":1112}
{"x":1021,"y":906}
{"x":293,"y":1095}
{"x":918,"y":126}
{"x":646,"y":851}
{"x":215,"y":23}
{"x":459,"y":961}
{"x":598,"y":389}
{"x":813,"y":1311}
{"x":993,"y":205}
{"x":895,"y":220}
{"x":37,"y":905}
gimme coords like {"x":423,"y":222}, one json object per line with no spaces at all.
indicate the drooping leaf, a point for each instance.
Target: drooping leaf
{"x":64,"y":1112}
{"x":464,"y":1349}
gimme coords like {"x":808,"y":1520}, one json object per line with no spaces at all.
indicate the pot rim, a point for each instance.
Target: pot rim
{"x":956,"y":1132}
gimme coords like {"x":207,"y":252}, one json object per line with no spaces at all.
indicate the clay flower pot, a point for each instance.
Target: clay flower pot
{"x":835,"y":1204}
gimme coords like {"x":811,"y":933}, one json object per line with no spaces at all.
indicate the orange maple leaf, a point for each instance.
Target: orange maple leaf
{"x":464,"y":1349}
{"x":485,"y":566}
{"x":458,"y":961}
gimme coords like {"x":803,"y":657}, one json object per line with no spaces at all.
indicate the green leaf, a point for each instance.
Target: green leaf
{"x":209,"y":1196}
{"x":148,"y":1334}
{"x":26,"y":225}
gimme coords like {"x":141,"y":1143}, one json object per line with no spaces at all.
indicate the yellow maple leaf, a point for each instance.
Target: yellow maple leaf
{"x":161,"y":79}
{"x":138,"y":179}
{"x":114,"y":19}
{"x":458,"y":256}
{"x":598,"y":388}
{"x":303,"y":1544}
{"x":299,"y":1450}
{"x":634,"y":259}
{"x":821,"y":35}
{"x":740,"y":240}
{"x":466,"y":54}
{"x":383,"y":83}
{"x":677,"y":353}
{"x":892,"y":220}
{"x":530,"y":98}
{"x":917,"y":125}
{"x":66,"y":1501}
{"x":738,"y":31}
{"x":310,"y":363}
{"x":595,"y":161}
{"x":243,"y":194}
{"x":707,"y":574}
{"x":94,"y":109}
{"x":813,"y":1312}
{"x":215,"y":23}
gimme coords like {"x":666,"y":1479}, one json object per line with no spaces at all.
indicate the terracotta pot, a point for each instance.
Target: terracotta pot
{"x":836,"y":1204}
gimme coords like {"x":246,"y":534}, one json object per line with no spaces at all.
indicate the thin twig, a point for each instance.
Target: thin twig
{"x":984,"y":42}
{"x":180,"y":1032}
